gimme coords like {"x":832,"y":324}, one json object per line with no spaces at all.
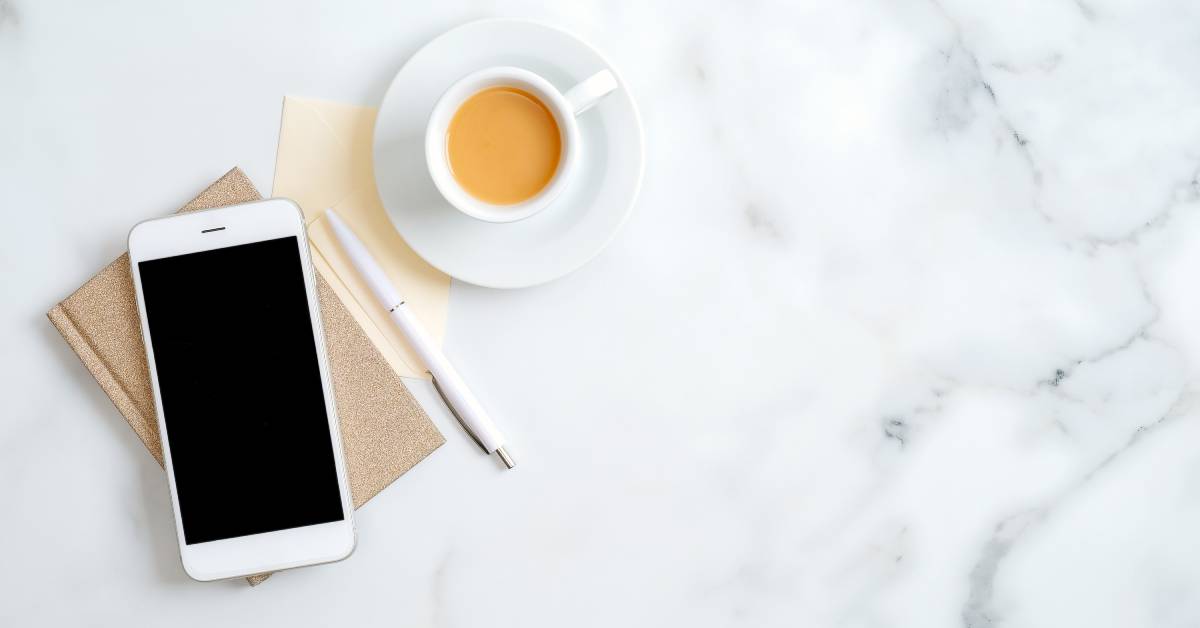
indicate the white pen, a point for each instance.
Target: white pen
{"x":453,"y":390}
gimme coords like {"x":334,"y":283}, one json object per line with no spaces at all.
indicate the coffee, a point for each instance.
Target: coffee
{"x":503,"y":145}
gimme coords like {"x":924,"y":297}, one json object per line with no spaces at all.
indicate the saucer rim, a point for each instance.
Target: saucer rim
{"x":637,"y":130}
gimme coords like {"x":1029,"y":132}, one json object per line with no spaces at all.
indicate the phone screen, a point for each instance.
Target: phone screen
{"x":241,"y":390}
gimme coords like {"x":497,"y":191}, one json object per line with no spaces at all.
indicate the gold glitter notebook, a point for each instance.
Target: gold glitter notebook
{"x":384,"y":431}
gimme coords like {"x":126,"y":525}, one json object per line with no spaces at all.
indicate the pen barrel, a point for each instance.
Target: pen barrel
{"x":457,"y":394}
{"x":370,"y":270}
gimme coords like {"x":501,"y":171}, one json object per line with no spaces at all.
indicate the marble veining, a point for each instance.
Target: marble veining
{"x":9,"y":17}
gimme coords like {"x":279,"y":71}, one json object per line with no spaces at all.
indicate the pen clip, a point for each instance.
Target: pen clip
{"x":450,"y":407}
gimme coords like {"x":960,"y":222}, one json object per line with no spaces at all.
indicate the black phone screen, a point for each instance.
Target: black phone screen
{"x":241,"y":391}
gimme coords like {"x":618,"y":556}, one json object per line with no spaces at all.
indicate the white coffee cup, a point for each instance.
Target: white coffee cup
{"x":563,"y":105}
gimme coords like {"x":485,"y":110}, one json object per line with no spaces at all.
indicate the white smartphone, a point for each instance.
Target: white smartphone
{"x":232,"y":327}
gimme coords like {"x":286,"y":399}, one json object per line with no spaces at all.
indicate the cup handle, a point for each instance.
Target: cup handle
{"x":586,"y":94}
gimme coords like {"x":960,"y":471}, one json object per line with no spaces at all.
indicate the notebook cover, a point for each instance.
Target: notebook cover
{"x":384,"y":430}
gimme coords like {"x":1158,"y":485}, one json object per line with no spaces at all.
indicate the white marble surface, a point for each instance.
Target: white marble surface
{"x":903,"y":332}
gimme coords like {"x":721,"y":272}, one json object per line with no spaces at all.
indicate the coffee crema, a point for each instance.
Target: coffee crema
{"x":503,"y":145}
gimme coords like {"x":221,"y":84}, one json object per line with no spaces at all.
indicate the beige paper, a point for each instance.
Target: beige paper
{"x":324,"y":161}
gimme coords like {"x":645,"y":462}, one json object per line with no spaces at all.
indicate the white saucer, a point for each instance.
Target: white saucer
{"x":560,"y":238}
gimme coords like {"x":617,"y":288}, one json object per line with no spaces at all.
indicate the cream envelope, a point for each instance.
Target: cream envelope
{"x":324,"y":161}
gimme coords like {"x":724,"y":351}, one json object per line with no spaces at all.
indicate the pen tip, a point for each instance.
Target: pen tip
{"x":508,"y":461}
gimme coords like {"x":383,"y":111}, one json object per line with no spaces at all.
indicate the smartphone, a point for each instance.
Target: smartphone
{"x":236,"y":350}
